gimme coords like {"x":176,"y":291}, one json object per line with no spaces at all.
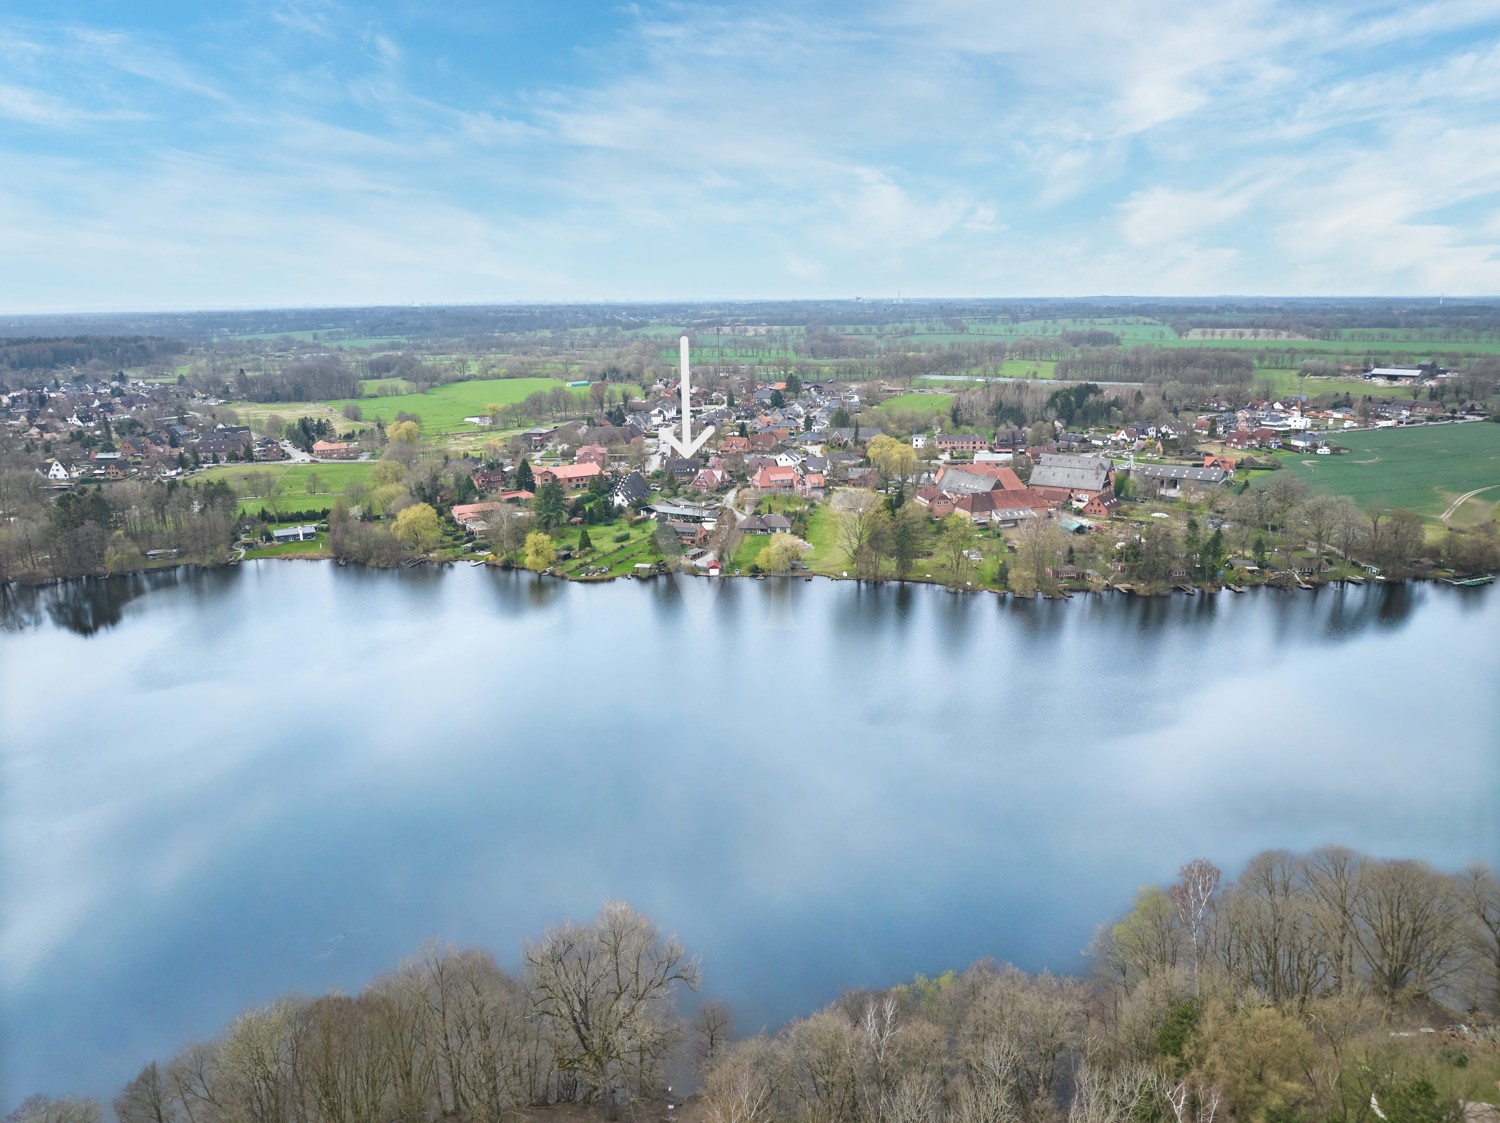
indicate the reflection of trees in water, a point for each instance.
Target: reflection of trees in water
{"x":86,"y":605}
{"x":1347,"y":613}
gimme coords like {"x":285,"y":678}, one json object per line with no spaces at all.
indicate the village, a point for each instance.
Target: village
{"x":1007,"y":508}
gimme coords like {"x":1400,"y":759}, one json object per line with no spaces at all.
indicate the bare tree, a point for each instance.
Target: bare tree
{"x":604,"y":992}
{"x":1411,"y":926}
{"x":147,"y":1099}
{"x":1192,"y":894}
{"x":1479,"y":892}
{"x":712,"y":1033}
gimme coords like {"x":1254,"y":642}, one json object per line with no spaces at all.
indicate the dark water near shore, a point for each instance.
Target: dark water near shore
{"x":218,"y":787}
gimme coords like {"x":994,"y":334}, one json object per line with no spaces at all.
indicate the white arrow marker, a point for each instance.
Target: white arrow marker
{"x":685,"y":445}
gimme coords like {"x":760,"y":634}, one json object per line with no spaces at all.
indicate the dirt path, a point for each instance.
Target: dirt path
{"x":1462,"y":499}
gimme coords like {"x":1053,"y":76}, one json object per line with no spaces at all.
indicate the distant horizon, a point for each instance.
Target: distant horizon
{"x":1100,"y":298}
{"x":314,"y":153}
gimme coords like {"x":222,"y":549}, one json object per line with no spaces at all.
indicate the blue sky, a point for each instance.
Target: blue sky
{"x":303,"y":152}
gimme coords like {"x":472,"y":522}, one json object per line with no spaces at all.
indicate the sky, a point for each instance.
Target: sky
{"x":158,"y":155}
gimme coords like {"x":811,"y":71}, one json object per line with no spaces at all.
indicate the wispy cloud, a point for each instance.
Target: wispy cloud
{"x":312,"y":151}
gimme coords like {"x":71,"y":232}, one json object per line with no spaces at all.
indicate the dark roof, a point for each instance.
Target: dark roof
{"x":632,"y":488}
{"x":1180,"y":472}
{"x":1090,"y":473}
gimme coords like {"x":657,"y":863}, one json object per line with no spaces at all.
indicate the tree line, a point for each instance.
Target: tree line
{"x":98,"y":530}
{"x":1283,"y":996}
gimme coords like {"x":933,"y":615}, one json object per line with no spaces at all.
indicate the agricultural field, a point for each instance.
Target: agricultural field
{"x":1428,"y":468}
{"x":442,"y":409}
{"x":1282,"y":380}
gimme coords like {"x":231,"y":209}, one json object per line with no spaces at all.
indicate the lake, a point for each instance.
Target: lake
{"x":218,"y":787}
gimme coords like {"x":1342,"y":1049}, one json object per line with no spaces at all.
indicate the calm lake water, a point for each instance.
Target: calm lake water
{"x":220,"y":787}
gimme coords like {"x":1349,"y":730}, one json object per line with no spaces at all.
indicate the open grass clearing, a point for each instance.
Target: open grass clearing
{"x":934,"y":403}
{"x":281,"y":486}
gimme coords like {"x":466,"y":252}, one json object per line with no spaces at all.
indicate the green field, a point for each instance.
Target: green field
{"x":915,"y":403}
{"x":289,"y":482}
{"x":1425,"y":468}
{"x":443,"y":408}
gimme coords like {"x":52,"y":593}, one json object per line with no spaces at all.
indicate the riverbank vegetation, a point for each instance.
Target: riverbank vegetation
{"x":1327,"y":987}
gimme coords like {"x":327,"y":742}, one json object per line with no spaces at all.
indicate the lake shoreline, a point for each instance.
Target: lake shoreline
{"x":1287,"y":583}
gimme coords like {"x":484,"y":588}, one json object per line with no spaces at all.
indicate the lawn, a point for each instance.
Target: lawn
{"x":619,"y":557}
{"x":1423,"y":467}
{"x":317,"y":546}
{"x":289,"y":482}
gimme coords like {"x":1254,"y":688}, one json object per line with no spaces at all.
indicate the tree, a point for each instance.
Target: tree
{"x":584,"y":541}
{"x":146,"y":1099}
{"x":417,"y":527}
{"x":893,"y":459}
{"x":862,"y":529}
{"x":604,"y":992}
{"x":387,"y":472}
{"x":779,"y":553}
{"x":541,"y":551}
{"x":44,"y":1109}
{"x":1318,"y":518}
{"x":954,"y":543}
{"x":1412,"y":928}
{"x":1479,"y":894}
{"x":1192,"y":894}
{"x":1144,"y":943}
{"x":403,"y":432}
{"x":525,"y":479}
{"x":908,"y":529}
{"x":1040,"y":547}
{"x":550,"y":508}
{"x":713,"y":1030}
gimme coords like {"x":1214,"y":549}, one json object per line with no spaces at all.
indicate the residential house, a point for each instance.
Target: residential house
{"x":471,"y":516}
{"x":960,"y":442}
{"x":488,"y":479}
{"x":538,"y":437}
{"x":569,"y":475}
{"x":735,"y":446}
{"x":629,"y":490}
{"x":592,"y":454}
{"x":776,"y":479}
{"x":1102,"y":506}
{"x":334,"y":450}
{"x":765,"y":524}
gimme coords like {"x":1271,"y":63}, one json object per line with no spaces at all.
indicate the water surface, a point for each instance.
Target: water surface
{"x":218,"y":787}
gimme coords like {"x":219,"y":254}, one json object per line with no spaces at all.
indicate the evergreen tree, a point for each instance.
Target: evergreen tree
{"x":585,"y":542}
{"x":525,"y":479}
{"x":550,"y":509}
